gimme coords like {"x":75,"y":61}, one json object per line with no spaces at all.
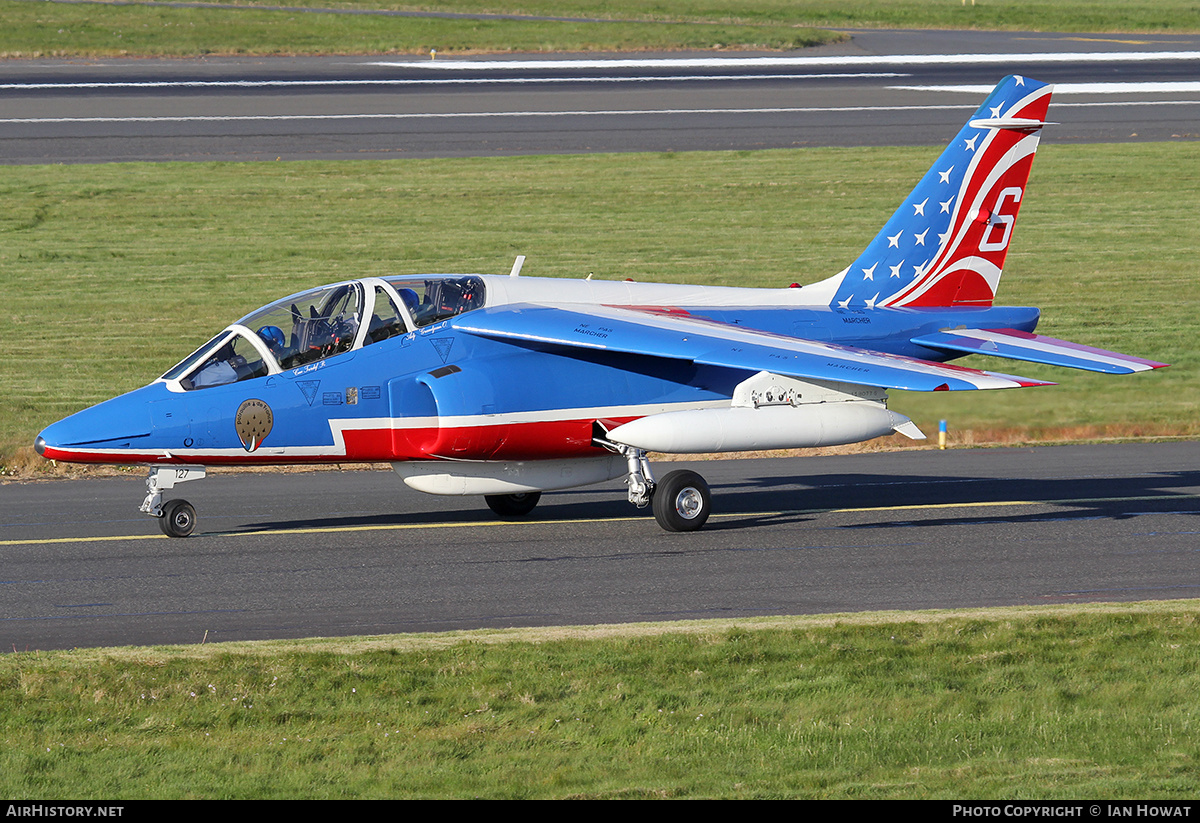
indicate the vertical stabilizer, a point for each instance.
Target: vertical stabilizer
{"x":946,"y":244}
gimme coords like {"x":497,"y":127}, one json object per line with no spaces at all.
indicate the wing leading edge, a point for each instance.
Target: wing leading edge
{"x":704,"y":342}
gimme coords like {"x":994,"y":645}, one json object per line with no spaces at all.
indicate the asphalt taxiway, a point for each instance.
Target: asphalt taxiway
{"x":878,"y":89}
{"x":351,"y":553}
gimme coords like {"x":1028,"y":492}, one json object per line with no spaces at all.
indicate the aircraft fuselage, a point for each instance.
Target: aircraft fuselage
{"x":434,"y":392}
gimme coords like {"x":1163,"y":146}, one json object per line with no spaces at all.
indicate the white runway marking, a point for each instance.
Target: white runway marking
{"x":488,"y":67}
{"x":844,"y":61}
{"x":450,"y":115}
{"x":1164,"y":87}
{"x":250,"y":118}
{"x":282,"y":84}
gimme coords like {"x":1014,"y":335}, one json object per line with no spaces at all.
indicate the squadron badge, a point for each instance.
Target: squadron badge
{"x":253,"y":423}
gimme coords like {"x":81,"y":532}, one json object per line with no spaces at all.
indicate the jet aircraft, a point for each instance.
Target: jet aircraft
{"x":507,"y":386}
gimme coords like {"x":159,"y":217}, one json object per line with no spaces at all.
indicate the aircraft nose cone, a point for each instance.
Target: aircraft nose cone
{"x":112,"y":432}
{"x":51,"y":440}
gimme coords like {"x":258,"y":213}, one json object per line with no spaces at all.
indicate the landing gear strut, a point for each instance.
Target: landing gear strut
{"x":641,"y":480}
{"x":177,"y":518}
{"x":681,"y":501}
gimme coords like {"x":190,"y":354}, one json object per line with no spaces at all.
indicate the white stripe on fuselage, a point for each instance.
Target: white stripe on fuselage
{"x":339,"y":426}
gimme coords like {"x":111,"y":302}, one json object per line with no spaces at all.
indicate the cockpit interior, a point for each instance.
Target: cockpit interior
{"x":323,"y":322}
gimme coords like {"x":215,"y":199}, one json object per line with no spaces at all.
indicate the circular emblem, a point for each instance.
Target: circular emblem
{"x":253,"y":423}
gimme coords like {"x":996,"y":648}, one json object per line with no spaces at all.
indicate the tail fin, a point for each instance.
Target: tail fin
{"x":945,"y":245}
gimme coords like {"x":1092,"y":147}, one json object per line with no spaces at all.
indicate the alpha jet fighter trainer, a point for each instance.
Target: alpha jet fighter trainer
{"x":507,"y":386}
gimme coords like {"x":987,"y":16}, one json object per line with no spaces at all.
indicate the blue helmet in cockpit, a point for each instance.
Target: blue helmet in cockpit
{"x":411,"y":300}
{"x":273,"y":337}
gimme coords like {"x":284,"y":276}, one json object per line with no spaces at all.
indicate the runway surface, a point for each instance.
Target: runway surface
{"x":351,"y":553}
{"x":881,"y":88}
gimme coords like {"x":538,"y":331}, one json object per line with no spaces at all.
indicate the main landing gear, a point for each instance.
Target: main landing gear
{"x":176,"y":518}
{"x":681,"y":501}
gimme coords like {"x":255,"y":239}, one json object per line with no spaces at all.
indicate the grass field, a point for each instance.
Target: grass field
{"x":47,"y":29}
{"x":1022,"y":704}
{"x":39,"y":29}
{"x":113,"y":273}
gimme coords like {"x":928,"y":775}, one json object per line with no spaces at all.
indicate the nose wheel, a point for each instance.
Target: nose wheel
{"x":178,"y":518}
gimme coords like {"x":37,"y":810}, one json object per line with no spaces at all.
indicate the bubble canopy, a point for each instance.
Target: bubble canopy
{"x":324,"y":322}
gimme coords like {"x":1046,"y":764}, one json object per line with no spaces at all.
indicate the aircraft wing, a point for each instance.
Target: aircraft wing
{"x":683,"y":337}
{"x":1035,"y":348}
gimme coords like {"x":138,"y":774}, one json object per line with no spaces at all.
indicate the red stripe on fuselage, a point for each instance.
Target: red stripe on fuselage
{"x":541,"y":440}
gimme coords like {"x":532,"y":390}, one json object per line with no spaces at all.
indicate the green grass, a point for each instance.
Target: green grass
{"x":1012,"y":15}
{"x":40,"y":29}
{"x":1046,"y":703}
{"x":112,"y":273}
{"x":45,"y":29}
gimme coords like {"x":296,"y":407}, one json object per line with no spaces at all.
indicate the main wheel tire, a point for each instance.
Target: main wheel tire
{"x":513,"y":505}
{"x":178,"y":518}
{"x":682,"y":502}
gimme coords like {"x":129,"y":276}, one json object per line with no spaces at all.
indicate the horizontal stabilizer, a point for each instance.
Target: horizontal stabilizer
{"x":1017,"y":123}
{"x":1034,"y":348}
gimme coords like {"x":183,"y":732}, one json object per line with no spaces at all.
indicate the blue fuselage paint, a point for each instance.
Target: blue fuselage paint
{"x":438,"y":373}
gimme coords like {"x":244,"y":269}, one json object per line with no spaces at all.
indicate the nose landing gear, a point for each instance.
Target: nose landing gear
{"x":176,"y":518}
